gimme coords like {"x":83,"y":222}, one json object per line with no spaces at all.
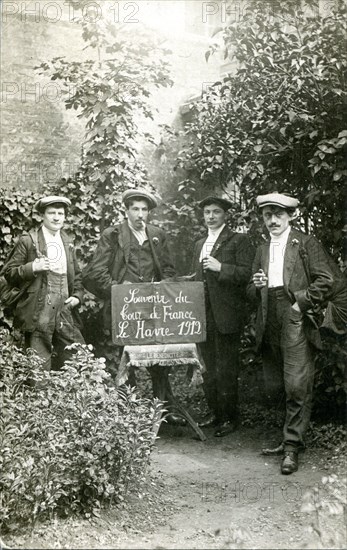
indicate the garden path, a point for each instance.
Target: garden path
{"x":221,"y":493}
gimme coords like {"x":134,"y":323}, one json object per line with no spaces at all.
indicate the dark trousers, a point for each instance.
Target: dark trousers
{"x":220,"y":353}
{"x":55,"y":327}
{"x":288,"y":365}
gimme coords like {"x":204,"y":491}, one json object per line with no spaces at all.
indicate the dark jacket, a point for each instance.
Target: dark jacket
{"x":227,"y":289}
{"x":19,"y":270}
{"x":109,"y":262}
{"x":308,"y":294}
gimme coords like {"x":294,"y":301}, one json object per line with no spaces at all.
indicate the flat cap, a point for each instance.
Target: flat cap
{"x":277,"y":199}
{"x":214,"y":199}
{"x":42,"y":203}
{"x":140,"y":194}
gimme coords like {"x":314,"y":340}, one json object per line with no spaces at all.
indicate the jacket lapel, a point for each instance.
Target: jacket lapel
{"x":199,"y":246}
{"x":151,"y":233}
{"x":39,"y":241}
{"x":265,"y":255}
{"x":222,"y":238}
{"x":264,"y":261}
{"x":124,"y":240}
{"x":68,"y":247}
{"x":289,"y":259}
{"x":196,"y":264}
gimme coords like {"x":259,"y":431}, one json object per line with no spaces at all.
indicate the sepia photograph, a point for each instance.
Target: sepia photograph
{"x":173,"y":297}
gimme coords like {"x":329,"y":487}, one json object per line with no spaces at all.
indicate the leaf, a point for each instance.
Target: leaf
{"x":326,"y":149}
{"x":337,"y":175}
{"x":291,"y":115}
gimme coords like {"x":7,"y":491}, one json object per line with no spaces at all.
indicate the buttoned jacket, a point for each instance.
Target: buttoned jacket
{"x":307,"y":293}
{"x":227,"y":288}
{"x":109,"y":263}
{"x":19,"y":270}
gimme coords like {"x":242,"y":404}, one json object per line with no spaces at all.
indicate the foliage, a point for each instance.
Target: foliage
{"x":330,"y":380}
{"x":278,"y":121}
{"x":328,"y":436}
{"x":70,"y":441}
{"x":182,"y":222}
{"x":320,"y":506}
{"x":109,"y":90}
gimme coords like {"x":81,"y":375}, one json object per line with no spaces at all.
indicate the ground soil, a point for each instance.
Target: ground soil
{"x":219,"y":493}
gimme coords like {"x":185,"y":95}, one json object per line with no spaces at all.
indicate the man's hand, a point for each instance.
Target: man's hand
{"x":211,"y":263}
{"x":260,"y":279}
{"x":41,"y":264}
{"x":72,"y":302}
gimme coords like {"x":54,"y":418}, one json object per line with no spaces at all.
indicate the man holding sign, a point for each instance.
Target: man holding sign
{"x":132,"y":252}
{"x":223,"y":260}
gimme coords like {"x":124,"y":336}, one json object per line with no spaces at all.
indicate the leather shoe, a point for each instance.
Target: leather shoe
{"x":226,"y":428}
{"x":272,"y":452}
{"x":290,"y":462}
{"x":208,"y":421}
{"x":175,"y":420}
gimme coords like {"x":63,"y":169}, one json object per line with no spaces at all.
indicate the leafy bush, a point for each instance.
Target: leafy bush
{"x":70,"y":441}
{"x":277,"y":121}
{"x":327,"y":436}
{"x":320,"y":506}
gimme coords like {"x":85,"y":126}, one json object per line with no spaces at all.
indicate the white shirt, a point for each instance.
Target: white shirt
{"x":276,"y":258}
{"x":140,"y":235}
{"x":210,"y":242}
{"x":55,"y":251}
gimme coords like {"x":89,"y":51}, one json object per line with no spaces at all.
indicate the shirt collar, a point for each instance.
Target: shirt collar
{"x":215,"y":234}
{"x":283,"y":237}
{"x":143,"y":230}
{"x":49,"y":235}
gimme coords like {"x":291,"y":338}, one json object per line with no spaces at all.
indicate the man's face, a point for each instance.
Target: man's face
{"x":214,"y":216}
{"x":137,"y":213}
{"x":53,"y":218}
{"x":276,"y":219}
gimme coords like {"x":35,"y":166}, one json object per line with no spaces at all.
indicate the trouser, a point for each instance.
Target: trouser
{"x":55,"y":327}
{"x":288,"y":364}
{"x":220,"y":353}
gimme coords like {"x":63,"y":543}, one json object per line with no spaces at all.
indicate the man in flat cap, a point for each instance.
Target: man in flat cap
{"x":223,"y":260}
{"x":291,"y":276}
{"x":132,"y":252}
{"x":45,"y":257}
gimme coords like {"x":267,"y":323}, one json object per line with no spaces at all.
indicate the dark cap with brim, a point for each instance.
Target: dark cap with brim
{"x":211,"y":199}
{"x":42,"y":203}
{"x":140,"y":194}
{"x":277,"y":199}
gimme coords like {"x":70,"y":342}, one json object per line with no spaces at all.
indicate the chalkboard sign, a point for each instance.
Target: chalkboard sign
{"x":158,"y":313}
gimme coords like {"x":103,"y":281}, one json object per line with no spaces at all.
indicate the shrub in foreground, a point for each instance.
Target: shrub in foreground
{"x":70,"y":441}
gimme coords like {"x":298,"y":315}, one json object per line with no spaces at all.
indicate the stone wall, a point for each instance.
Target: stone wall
{"x":40,"y":140}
